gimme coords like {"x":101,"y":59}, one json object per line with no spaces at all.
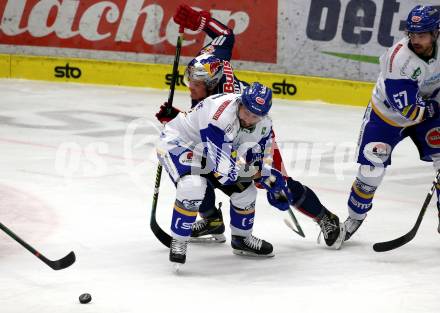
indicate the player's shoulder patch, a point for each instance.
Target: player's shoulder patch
{"x":403,"y":63}
{"x":221,"y":109}
{"x":393,"y":55}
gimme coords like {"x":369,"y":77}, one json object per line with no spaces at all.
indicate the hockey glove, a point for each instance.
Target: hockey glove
{"x":186,"y":17}
{"x":166,"y":113}
{"x":278,"y":193}
{"x":278,"y":200}
{"x":432,"y":109}
{"x":272,"y":179}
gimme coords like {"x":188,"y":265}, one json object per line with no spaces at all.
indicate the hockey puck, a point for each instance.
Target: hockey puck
{"x":85,"y":298}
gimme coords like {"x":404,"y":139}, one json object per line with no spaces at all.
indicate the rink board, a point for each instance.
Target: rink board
{"x":5,"y":65}
{"x":290,"y":87}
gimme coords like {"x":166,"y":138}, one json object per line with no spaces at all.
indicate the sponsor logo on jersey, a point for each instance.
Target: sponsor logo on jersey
{"x":228,"y":86}
{"x":433,"y":137}
{"x":405,"y":67}
{"x":186,"y":158}
{"x":416,"y":73}
{"x":393,"y":55}
{"x":228,"y":129}
{"x":220,"y":110}
{"x":432,"y":80}
{"x":377,"y":152}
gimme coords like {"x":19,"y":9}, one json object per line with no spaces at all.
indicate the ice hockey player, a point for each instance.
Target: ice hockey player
{"x":209,"y":144}
{"x":404,"y":103}
{"x":234,"y":130}
{"x":211,"y":73}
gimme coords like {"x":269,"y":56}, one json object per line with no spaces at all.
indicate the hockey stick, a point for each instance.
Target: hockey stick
{"x":55,"y":265}
{"x":398,"y":242}
{"x":160,"y":234}
{"x":298,"y":229}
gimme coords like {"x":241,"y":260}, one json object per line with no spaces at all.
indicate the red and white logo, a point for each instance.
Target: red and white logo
{"x":260,"y":100}
{"x":186,"y":158}
{"x":213,"y":67}
{"x":416,"y":19}
{"x":433,"y":137}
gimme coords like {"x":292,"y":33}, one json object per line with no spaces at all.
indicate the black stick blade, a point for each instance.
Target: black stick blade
{"x":61,"y":263}
{"x":393,"y":244}
{"x":163,"y":237}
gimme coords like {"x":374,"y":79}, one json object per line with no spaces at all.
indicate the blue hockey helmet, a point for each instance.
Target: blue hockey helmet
{"x":257,"y":98}
{"x":423,"y":19}
{"x":205,"y":67}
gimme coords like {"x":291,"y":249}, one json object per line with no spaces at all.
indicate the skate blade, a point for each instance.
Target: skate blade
{"x":209,"y":239}
{"x":251,"y":254}
{"x":341,"y":238}
{"x":177,"y":267}
{"x":339,"y":241}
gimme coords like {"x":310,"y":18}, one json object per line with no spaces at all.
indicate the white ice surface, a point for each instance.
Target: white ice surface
{"x":77,"y":173}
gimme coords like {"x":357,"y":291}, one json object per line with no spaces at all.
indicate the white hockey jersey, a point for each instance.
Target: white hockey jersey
{"x":404,"y":83}
{"x":214,"y":127}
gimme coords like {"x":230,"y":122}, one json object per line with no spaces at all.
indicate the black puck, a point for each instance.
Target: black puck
{"x":85,"y":298}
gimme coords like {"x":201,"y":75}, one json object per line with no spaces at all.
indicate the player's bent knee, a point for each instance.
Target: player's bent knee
{"x":245,"y":199}
{"x":191,"y":191}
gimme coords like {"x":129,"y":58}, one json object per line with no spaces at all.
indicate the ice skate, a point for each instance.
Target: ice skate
{"x":332,"y":230}
{"x":251,"y":246}
{"x":209,"y":229}
{"x":178,"y":251}
{"x":351,"y":226}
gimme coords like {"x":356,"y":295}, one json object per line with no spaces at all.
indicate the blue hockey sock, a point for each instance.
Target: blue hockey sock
{"x":304,"y":199}
{"x":242,"y":221}
{"x":182,"y":220}
{"x":361,"y":197}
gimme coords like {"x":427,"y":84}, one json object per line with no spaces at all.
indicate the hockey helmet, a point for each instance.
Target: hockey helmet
{"x":257,"y":98}
{"x":423,"y":19}
{"x":205,"y":67}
